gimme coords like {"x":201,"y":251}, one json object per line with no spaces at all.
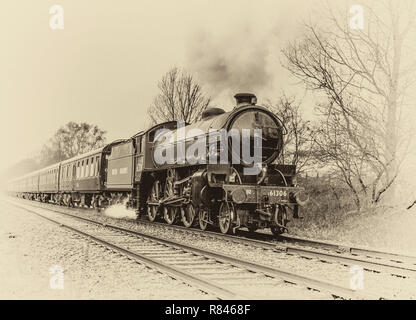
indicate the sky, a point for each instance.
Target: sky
{"x":104,"y":66}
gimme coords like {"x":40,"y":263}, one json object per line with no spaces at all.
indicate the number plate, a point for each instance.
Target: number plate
{"x":276,"y":194}
{"x":261,"y":194}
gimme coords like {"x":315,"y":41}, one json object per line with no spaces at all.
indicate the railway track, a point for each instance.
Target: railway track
{"x":371,"y":260}
{"x":375,"y":261}
{"x":223,"y":276}
{"x":356,"y":251}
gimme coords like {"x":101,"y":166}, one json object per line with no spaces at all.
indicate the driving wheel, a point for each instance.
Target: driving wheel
{"x":203,"y":217}
{"x":153,"y":201}
{"x":225,"y":218}
{"x":188,"y":214}
{"x":170,"y":213}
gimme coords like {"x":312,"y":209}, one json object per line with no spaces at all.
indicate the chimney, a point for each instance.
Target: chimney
{"x":243,"y":99}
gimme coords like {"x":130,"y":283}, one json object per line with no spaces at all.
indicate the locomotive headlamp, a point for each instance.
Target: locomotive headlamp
{"x":239,"y":195}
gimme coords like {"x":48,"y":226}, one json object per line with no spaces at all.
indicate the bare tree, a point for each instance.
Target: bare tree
{"x":363,"y":74}
{"x":340,"y":157}
{"x":298,"y":141}
{"x":71,"y":140}
{"x":180,"y":98}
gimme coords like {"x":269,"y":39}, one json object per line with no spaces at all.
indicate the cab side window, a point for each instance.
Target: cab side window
{"x":139,"y":142}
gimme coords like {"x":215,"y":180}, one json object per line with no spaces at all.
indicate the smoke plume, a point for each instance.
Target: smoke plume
{"x":244,"y":55}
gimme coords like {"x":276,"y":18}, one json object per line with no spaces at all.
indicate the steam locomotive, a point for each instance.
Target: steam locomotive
{"x":204,"y":173}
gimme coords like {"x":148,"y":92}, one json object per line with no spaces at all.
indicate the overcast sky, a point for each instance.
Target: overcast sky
{"x":104,"y":66}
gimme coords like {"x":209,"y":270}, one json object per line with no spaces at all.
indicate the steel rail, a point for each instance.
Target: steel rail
{"x":373,"y":253}
{"x":394,"y":269}
{"x":310,"y":283}
{"x":219,"y":291}
{"x":397,"y":269}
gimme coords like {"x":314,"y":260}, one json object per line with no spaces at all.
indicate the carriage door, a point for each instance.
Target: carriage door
{"x":139,"y":163}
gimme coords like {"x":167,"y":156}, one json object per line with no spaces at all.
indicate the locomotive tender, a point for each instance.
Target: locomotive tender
{"x":208,"y":193}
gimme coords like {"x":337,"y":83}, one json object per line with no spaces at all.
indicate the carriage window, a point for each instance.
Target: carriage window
{"x":92,"y":167}
{"x":87,"y":169}
{"x":97,"y":165}
{"x":78,"y":170}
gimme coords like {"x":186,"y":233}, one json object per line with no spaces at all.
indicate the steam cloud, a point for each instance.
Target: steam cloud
{"x":234,"y":62}
{"x":242,"y":53}
{"x":120,"y":211}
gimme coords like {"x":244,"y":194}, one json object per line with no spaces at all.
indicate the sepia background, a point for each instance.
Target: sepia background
{"x":104,"y":68}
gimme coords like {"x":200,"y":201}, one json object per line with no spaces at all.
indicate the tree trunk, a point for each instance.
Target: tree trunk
{"x":391,"y":123}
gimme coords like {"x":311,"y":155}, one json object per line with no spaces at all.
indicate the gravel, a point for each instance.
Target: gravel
{"x":382,"y":284}
{"x":30,"y":246}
